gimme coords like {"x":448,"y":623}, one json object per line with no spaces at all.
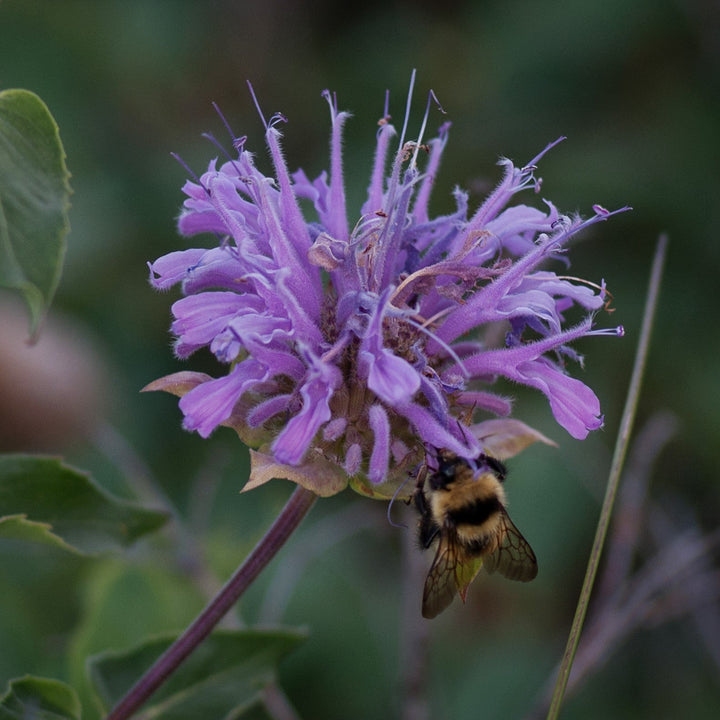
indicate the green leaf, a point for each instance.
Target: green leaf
{"x":256,"y":711}
{"x":34,"y":200}
{"x":18,"y":527}
{"x":223,"y":678}
{"x":124,"y":603}
{"x":43,"y":500}
{"x":36,"y":698}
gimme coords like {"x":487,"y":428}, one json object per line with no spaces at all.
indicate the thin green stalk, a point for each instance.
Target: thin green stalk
{"x":621,"y":446}
{"x":286,"y":522}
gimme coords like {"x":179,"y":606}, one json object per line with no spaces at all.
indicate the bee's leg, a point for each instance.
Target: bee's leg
{"x":427,"y":531}
{"x":419,"y":499}
{"x":427,"y":528}
{"x":420,"y":502}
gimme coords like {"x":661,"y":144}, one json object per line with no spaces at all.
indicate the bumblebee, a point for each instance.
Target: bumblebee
{"x":463,"y":508}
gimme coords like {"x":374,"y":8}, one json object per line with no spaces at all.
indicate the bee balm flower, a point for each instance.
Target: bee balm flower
{"x":355,"y":341}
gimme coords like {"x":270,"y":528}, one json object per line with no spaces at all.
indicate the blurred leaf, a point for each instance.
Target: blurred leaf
{"x":70,"y":506}
{"x":18,"y":527}
{"x":34,"y":200}
{"x":223,"y":678}
{"x":39,"y":606}
{"x":36,"y":698}
{"x":125,"y":603}
{"x":257,"y":711}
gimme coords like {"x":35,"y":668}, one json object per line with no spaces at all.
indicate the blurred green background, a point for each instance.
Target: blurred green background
{"x":634,"y":86}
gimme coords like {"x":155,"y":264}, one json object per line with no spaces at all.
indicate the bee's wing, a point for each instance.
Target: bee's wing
{"x":441,"y":584}
{"x":512,"y":555}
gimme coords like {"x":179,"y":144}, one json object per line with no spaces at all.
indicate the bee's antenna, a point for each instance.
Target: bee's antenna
{"x":392,"y":500}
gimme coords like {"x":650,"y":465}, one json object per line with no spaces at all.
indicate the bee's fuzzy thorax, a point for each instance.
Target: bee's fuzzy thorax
{"x":466,"y":491}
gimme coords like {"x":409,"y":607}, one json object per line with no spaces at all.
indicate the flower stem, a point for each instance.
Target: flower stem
{"x":286,"y":522}
{"x":621,"y":446}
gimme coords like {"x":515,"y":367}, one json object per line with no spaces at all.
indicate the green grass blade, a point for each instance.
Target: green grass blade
{"x":621,"y":446}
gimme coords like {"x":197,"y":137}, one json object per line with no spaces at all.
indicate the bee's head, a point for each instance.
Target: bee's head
{"x":450,"y":470}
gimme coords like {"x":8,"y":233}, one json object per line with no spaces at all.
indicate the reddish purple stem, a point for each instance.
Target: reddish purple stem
{"x":286,"y":522}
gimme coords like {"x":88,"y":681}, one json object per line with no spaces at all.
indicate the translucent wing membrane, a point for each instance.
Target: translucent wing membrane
{"x":512,"y":557}
{"x":441,"y":584}
{"x":452,"y":572}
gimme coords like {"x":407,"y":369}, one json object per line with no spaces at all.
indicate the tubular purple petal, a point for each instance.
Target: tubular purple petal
{"x":353,"y":459}
{"x":372,"y":348}
{"x":211,"y":403}
{"x":380,"y":456}
{"x":495,"y":404}
{"x":200,"y":318}
{"x":173,"y":267}
{"x":261,"y":413}
{"x":434,"y":434}
{"x":436,"y":145}
{"x":376,"y":188}
{"x":388,"y":376}
{"x":292,"y":218}
{"x":292,"y":443}
{"x":574,"y":405}
{"x":336,"y":221}
{"x":505,"y":361}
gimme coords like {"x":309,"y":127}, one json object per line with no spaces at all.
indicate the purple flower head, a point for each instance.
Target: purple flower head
{"x":354,"y":343}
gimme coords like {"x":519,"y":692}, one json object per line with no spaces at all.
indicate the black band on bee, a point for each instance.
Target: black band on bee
{"x":476,"y":512}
